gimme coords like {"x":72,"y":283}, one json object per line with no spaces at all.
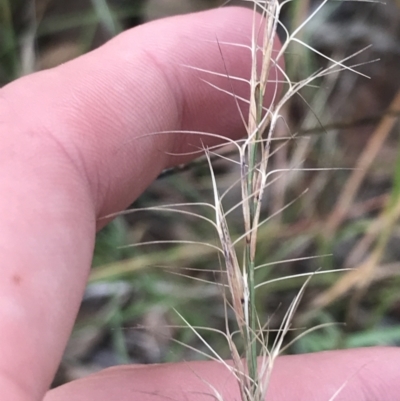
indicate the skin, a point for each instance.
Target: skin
{"x":69,"y":156}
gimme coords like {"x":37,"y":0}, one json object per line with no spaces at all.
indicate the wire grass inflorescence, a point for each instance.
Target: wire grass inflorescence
{"x":253,"y":360}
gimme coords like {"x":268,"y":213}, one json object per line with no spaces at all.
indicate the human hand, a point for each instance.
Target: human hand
{"x":68,"y":157}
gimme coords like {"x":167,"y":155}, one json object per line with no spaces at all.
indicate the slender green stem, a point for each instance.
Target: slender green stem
{"x":254,"y":154}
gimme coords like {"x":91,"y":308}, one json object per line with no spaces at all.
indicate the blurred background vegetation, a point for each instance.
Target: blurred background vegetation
{"x":349,"y":218}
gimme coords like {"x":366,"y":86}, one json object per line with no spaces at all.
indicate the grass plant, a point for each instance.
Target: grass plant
{"x":248,"y":340}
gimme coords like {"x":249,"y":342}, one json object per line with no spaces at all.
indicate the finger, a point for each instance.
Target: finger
{"x":69,"y":154}
{"x":362,"y":375}
{"x":141,"y":83}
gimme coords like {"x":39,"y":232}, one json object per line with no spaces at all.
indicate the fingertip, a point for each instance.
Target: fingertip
{"x":102,"y":106}
{"x":360,"y":374}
